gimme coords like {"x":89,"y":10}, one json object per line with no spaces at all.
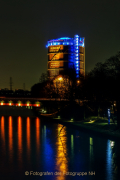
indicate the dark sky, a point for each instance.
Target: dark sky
{"x":26,"y":25}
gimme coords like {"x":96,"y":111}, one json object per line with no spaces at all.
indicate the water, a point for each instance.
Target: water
{"x":53,"y":151}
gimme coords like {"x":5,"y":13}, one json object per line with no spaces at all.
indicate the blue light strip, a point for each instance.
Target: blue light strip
{"x":76,"y":55}
{"x":64,"y":41}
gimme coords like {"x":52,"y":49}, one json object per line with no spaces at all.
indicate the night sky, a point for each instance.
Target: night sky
{"x":26,"y":25}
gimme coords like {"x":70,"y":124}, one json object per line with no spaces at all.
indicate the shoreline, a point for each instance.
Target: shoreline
{"x":99,"y":127}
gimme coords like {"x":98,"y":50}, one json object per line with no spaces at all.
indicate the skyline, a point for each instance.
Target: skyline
{"x":27,"y":26}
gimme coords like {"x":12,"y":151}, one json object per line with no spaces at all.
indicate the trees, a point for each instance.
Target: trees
{"x":102,"y":83}
{"x":113,"y":66}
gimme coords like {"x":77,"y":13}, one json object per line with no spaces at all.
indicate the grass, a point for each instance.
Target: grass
{"x":98,"y":125}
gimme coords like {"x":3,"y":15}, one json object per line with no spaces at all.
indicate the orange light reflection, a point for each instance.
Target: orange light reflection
{"x":10,"y":138}
{"x":37,"y":136}
{"x":19,"y":139}
{"x":3,"y":131}
{"x":62,"y":158}
{"x":28,"y":138}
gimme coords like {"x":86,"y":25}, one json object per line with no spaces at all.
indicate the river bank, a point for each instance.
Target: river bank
{"x":98,"y":126}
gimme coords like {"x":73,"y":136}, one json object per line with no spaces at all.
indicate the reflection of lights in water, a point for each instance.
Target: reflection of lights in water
{"x":61,"y":159}
{"x":44,"y":131}
{"x":3,"y":129}
{"x":109,"y":173}
{"x":91,"y":141}
{"x":19,"y":139}
{"x":72,"y":144}
{"x":28,"y":137}
{"x":37,"y":135}
{"x":91,"y":149}
{"x":10,"y":138}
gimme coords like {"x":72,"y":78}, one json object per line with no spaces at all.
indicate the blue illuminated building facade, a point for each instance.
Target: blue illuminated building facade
{"x":66,"y":53}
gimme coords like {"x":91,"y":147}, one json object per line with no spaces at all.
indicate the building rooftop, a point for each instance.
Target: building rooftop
{"x":65,"y":41}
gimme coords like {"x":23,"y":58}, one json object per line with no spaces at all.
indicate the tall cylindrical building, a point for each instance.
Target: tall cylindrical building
{"x":65,"y":53}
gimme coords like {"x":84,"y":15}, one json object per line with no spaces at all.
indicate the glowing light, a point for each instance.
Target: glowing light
{"x":91,"y":141}
{"x":91,"y":121}
{"x":64,"y":38}
{"x":108,"y":112}
{"x":112,"y":143}
{"x":60,"y":78}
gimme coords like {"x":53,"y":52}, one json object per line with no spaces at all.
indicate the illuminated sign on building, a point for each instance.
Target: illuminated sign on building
{"x":54,"y":64}
{"x":55,"y":48}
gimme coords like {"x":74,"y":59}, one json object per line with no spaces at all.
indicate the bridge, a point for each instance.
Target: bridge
{"x":26,"y":101}
{"x":20,"y":101}
{"x":30,"y":101}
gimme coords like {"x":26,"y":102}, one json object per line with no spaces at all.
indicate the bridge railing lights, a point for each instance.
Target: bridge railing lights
{"x":37,"y":105}
{"x":2,"y":103}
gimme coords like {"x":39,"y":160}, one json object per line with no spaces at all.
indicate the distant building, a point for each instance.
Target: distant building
{"x":65,"y":53}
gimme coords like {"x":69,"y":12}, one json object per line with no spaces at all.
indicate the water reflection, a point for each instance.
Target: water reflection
{"x":20,"y":140}
{"x":56,"y":149}
{"x":3,"y":133}
{"x":37,"y":136}
{"x":44,"y":132}
{"x":28,"y":138}
{"x":91,"y":148}
{"x":109,"y":160}
{"x":62,"y":158}
{"x":10,"y":135}
{"x":72,"y":144}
